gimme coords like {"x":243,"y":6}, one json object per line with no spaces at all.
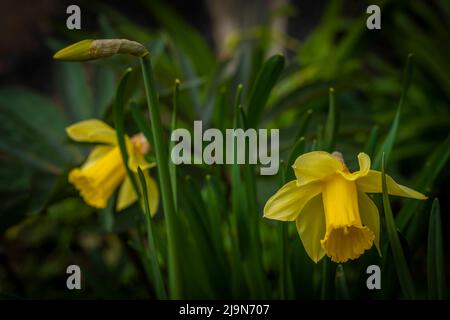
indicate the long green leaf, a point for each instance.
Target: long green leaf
{"x":190,"y":75}
{"x":139,"y":119}
{"x":244,"y":215}
{"x":119,"y":122}
{"x":175,"y":284}
{"x":401,"y":266}
{"x":296,"y":151}
{"x":172,"y":166}
{"x":198,"y":217}
{"x":239,"y":206}
{"x":369,"y":148}
{"x":265,"y":81}
{"x":152,"y":250}
{"x":184,"y":35}
{"x":33,"y":130}
{"x":107,"y":216}
{"x":341,"y":284}
{"x":328,"y":270}
{"x":431,"y":171}
{"x":388,"y":143}
{"x":303,"y":124}
{"x":253,"y":216}
{"x":329,"y":134}
{"x":283,"y":257}
{"x":104,"y":80}
{"x":76,"y":93}
{"x":215,"y":225}
{"x":435,"y":263}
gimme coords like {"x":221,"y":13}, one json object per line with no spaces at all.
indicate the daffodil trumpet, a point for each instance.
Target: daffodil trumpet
{"x":104,"y":171}
{"x":333,"y":213}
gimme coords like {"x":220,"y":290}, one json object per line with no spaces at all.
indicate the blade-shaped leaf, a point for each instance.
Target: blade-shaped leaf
{"x":152,"y":252}
{"x":389,"y":141}
{"x":329,"y":134}
{"x":119,"y":123}
{"x":401,"y":266}
{"x":431,"y":171}
{"x":265,"y":81}
{"x":172,"y":166}
{"x":76,"y":94}
{"x":435,"y":264}
{"x":369,"y":149}
{"x":341,"y":284}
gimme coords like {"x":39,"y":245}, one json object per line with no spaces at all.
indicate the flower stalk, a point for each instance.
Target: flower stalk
{"x":118,"y":108}
{"x":151,"y":252}
{"x":401,"y":266}
{"x":163,"y":173}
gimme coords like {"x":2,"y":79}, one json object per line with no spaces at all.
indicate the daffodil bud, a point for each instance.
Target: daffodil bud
{"x":97,"y":49}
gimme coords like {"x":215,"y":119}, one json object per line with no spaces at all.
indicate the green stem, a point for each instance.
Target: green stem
{"x":118,"y":115}
{"x":164,"y":177}
{"x":329,"y":135}
{"x":138,"y":117}
{"x":324,"y":278}
{"x":151,"y":252}
{"x":401,"y":266}
{"x":342,"y":292}
{"x":172,"y":167}
{"x":283,"y":260}
{"x":435,"y":255}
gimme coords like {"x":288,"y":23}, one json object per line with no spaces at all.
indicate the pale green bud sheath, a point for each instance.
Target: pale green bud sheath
{"x":101,"y":48}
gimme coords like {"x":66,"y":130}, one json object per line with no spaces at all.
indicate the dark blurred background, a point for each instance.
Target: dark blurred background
{"x":25,"y":25}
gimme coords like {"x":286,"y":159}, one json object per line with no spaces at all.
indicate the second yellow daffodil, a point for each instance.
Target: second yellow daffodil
{"x":331,"y":208}
{"x":104,"y":171}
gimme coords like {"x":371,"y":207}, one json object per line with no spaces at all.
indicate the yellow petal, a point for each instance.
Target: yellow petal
{"x":364,"y":168}
{"x":153,"y":193}
{"x":92,"y":130}
{"x":126,"y":196}
{"x":370,"y":216}
{"x":97,"y":153}
{"x":136,"y":159}
{"x":315,"y":166}
{"x":286,"y":204}
{"x":371,"y":183}
{"x":311,"y":228}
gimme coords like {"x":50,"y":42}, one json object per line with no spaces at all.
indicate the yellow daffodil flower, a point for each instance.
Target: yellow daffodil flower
{"x":333,"y":213}
{"x":104,"y":171}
